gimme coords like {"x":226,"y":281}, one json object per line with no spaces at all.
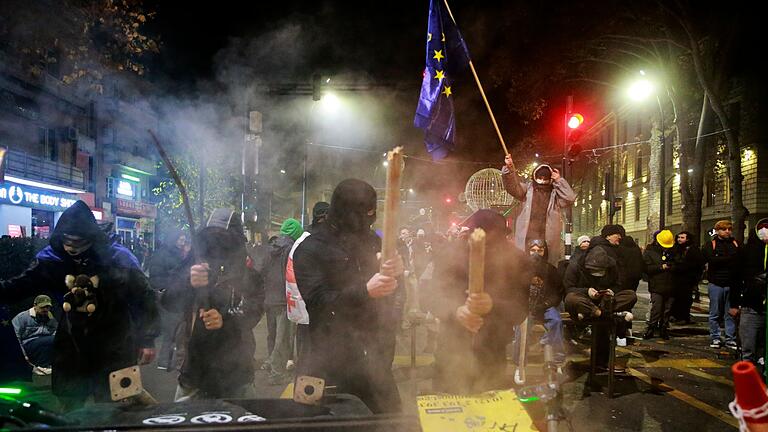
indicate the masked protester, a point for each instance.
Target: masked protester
{"x":545,"y":196}
{"x":221,"y":301}
{"x":169,"y":264}
{"x":659,"y":266}
{"x":475,"y":329}
{"x":319,"y":215}
{"x":747,"y":299}
{"x":120,"y":331}
{"x":593,"y":288}
{"x":545,"y":292}
{"x":353,"y":308}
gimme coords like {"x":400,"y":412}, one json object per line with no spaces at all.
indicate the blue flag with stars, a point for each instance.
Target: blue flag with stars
{"x":447,"y":55}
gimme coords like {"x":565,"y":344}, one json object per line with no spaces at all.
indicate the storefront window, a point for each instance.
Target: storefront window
{"x":42,"y":223}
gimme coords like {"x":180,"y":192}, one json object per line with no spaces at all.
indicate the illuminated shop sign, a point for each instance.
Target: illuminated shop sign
{"x":125,"y":188}
{"x":11,"y":193}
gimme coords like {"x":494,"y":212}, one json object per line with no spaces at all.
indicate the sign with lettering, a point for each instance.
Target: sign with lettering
{"x":491,"y":411}
{"x":136,"y":208}
{"x":28,"y":196}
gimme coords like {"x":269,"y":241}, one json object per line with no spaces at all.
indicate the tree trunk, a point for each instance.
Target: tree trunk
{"x":739,"y":213}
{"x":691,"y":184}
{"x":655,"y":182}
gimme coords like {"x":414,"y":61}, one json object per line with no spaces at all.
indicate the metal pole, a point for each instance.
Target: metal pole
{"x":663,"y":168}
{"x":565,"y":175}
{"x":304,"y":187}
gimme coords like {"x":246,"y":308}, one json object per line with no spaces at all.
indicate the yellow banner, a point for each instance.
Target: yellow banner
{"x":498,"y":411}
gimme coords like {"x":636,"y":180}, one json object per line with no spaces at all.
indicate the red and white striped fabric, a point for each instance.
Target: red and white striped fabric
{"x":296,"y":308}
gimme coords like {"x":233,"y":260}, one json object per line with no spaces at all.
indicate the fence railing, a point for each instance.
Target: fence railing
{"x":21,"y":164}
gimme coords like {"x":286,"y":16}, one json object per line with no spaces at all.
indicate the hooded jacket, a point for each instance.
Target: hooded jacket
{"x":351,"y":335}
{"x":578,"y":278}
{"x":88,"y":347}
{"x":562,"y":196}
{"x":218,"y":361}
{"x":553,"y":291}
{"x":660,"y":280}
{"x":631,"y":261}
{"x":688,"y":263}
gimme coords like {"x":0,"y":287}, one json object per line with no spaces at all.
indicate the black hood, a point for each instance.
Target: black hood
{"x":350,"y":203}
{"x":78,"y":220}
{"x":493,"y":223}
{"x":222,"y":237}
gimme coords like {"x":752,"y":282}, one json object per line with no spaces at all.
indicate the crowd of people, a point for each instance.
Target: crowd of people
{"x":333,"y":309}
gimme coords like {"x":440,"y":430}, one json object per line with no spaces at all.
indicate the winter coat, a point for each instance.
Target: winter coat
{"x":218,"y":361}
{"x":274,"y":271}
{"x":29,"y":326}
{"x":506,"y":281}
{"x":562,"y":197}
{"x":722,"y":258}
{"x":631,"y":261}
{"x":660,"y":280}
{"x":88,"y":347}
{"x":553,"y":291}
{"x":579,"y":280}
{"x":166,"y":265}
{"x":689,"y":264}
{"x":350,"y":333}
{"x":751,"y":292}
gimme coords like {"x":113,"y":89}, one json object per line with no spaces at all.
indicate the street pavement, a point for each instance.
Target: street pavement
{"x":675,"y":385}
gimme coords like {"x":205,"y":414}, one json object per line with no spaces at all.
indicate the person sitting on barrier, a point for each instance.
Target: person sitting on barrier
{"x":35,"y":328}
{"x":545,"y":294}
{"x":593,"y":291}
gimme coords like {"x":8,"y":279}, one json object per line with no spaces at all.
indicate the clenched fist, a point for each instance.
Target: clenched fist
{"x":479,"y":303}
{"x":468,"y":320}
{"x":198,"y":275}
{"x":211,"y":319}
{"x":381,"y":286}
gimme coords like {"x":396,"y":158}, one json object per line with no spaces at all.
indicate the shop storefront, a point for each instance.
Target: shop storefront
{"x":27,"y":211}
{"x":135,"y":221}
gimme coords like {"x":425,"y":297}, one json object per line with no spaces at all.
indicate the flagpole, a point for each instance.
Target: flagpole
{"x":480,"y":87}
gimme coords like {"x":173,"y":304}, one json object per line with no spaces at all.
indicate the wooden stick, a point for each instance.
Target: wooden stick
{"x":392,"y":204}
{"x":480,"y":87}
{"x":477,"y":261}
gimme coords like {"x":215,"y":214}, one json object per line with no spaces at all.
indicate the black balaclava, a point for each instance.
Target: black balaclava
{"x":319,"y":212}
{"x":351,"y":202}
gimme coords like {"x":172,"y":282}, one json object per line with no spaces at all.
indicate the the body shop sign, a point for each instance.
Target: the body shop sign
{"x":27,"y":196}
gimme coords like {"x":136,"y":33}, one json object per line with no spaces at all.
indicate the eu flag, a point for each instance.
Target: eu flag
{"x":447,"y":55}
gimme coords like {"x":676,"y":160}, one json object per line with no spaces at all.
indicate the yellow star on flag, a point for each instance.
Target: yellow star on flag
{"x":438,"y":55}
{"x":446,"y":91}
{"x":429,"y":37}
{"x":439,"y":75}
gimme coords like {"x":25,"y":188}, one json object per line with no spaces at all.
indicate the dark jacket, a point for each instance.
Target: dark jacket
{"x":88,"y":347}
{"x":751,"y":292}
{"x":631,"y":261}
{"x":553,"y":291}
{"x":689,"y":263}
{"x":218,"y":361}
{"x":166,"y":265}
{"x":274,"y":271}
{"x":722,"y":258}
{"x":660,"y":280}
{"x":346,"y":326}
{"x":461,"y":365}
{"x":579,"y":280}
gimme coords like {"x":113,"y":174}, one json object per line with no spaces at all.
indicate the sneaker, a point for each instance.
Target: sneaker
{"x":731,"y":345}
{"x":622,"y":342}
{"x":716,"y":343}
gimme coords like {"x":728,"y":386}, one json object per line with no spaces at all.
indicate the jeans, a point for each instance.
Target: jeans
{"x":752,"y":331}
{"x":553,"y":335}
{"x":718,"y":309}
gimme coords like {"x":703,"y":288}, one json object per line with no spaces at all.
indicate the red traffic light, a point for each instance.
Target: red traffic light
{"x":575,"y":120}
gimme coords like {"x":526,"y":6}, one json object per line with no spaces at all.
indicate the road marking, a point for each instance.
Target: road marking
{"x":685,"y":397}
{"x":288,"y":392}
{"x":702,"y":374}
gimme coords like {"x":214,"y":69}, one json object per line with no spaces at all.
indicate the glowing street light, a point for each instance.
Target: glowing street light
{"x":640,"y":90}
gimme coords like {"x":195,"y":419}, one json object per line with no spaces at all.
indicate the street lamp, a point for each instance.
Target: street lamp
{"x":329,"y":104}
{"x":639,"y":91}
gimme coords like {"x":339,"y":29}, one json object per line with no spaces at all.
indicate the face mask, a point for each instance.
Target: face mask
{"x":542,"y":181}
{"x":762,"y":234}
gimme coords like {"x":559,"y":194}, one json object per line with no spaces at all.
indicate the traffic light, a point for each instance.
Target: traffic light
{"x":316,"y":87}
{"x":575,"y":122}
